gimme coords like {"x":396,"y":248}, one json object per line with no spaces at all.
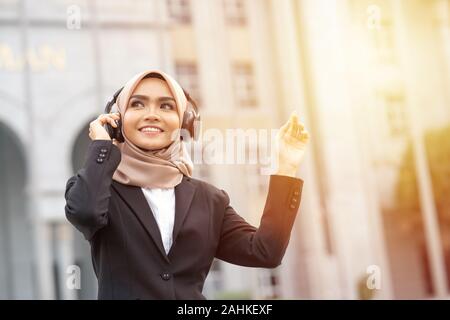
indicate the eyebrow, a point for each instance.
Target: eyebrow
{"x":139,"y":96}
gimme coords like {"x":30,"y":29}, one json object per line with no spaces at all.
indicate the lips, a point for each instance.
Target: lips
{"x":151,"y":129}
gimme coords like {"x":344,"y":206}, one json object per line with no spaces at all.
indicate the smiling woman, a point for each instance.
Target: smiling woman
{"x":153,"y":229}
{"x":152,"y":159}
{"x":152,"y":116}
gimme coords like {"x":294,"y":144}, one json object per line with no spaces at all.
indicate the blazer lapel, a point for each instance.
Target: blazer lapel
{"x":134,"y":197}
{"x":136,"y":200}
{"x":184,"y":193}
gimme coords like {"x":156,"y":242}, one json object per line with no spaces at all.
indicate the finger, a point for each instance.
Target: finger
{"x":304,"y":136}
{"x":104,"y":118}
{"x":294,"y":115}
{"x":115,"y":115}
{"x":100,"y":120}
{"x":295,"y":128}
{"x":298,"y":125}
{"x":112,"y":122}
{"x":291,"y":128}
{"x":108,"y":117}
{"x":113,"y":118}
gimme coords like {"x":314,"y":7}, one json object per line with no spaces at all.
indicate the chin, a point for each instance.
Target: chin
{"x":154,"y":143}
{"x":152,"y":146}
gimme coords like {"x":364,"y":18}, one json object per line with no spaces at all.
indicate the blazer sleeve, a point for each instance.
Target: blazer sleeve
{"x":88,"y":192}
{"x":242,"y":244}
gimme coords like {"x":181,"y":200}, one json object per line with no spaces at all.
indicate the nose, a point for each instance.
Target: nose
{"x":152,"y":113}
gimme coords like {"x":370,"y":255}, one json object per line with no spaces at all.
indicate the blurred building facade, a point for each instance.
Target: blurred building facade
{"x":367,"y":78}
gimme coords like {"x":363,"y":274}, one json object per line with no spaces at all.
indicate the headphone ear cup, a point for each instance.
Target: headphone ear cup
{"x":118,"y":132}
{"x":115,"y":133}
{"x":188,"y":124}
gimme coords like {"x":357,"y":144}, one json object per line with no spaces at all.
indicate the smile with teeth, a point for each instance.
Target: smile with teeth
{"x":151,"y":130}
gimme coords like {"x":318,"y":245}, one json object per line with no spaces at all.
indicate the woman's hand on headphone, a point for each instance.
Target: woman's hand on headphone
{"x":97,"y":130}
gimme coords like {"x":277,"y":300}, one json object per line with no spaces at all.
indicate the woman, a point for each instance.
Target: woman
{"x":154,"y":231}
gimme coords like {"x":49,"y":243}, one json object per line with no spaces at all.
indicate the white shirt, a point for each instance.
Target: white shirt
{"x":162,"y":203}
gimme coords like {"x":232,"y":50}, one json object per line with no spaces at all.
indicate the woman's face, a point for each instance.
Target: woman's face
{"x":151,"y":116}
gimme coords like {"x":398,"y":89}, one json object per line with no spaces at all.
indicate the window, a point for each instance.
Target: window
{"x":187,"y":76}
{"x":255,"y":162}
{"x":396,"y":117}
{"x":243,"y":82}
{"x":180,"y":10}
{"x":234,"y":12}
{"x":268,"y":284}
{"x":383,"y":40}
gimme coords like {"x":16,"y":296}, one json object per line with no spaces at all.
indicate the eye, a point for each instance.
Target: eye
{"x":167,"y":106}
{"x":136,"y":103}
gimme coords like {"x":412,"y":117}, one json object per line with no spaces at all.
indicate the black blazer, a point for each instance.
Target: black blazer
{"x":127,"y":251}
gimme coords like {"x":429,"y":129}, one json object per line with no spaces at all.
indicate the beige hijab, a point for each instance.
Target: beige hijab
{"x":163,"y":168}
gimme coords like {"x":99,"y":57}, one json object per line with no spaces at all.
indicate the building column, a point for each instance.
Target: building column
{"x":410,"y":40}
{"x":310,"y":249}
{"x":214,"y":63}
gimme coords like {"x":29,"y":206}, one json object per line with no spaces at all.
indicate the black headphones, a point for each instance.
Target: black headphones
{"x":191,"y":119}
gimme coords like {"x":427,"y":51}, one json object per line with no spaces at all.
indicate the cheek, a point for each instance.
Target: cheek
{"x":173,"y":121}
{"x":129,"y":121}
